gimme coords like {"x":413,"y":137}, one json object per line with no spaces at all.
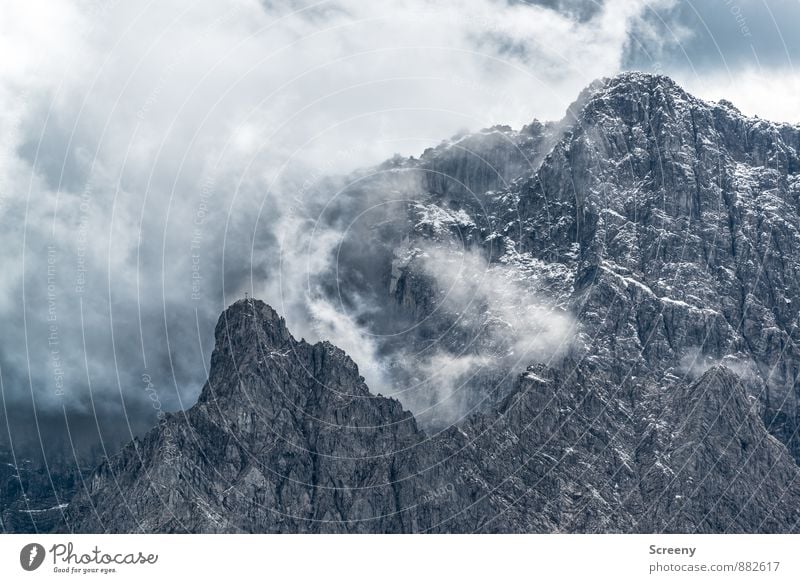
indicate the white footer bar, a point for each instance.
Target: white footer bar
{"x":402,"y":558}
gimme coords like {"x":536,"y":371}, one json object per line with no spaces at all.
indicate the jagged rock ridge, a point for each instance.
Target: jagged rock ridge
{"x":287,"y":438}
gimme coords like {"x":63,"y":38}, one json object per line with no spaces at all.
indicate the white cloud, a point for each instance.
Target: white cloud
{"x":528,"y":327}
{"x":769,"y":94}
{"x":510,"y":325}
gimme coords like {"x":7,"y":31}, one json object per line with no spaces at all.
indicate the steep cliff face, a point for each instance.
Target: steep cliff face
{"x":664,"y":227}
{"x":686,"y":214}
{"x":666,"y":224}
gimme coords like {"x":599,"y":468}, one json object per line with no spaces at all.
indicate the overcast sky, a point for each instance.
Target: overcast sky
{"x":150,"y":152}
{"x":746,"y":51}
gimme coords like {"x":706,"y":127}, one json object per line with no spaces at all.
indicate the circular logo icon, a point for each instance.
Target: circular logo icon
{"x":31,"y":556}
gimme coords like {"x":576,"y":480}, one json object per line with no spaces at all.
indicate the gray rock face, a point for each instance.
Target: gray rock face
{"x":667,"y":227}
{"x":34,"y":498}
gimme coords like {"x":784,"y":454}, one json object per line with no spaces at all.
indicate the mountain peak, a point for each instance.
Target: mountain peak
{"x":634,"y":92}
{"x":624,"y":93}
{"x":639,"y":79}
{"x":258,"y":317}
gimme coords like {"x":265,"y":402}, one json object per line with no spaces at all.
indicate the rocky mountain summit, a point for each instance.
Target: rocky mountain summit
{"x":619,"y":292}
